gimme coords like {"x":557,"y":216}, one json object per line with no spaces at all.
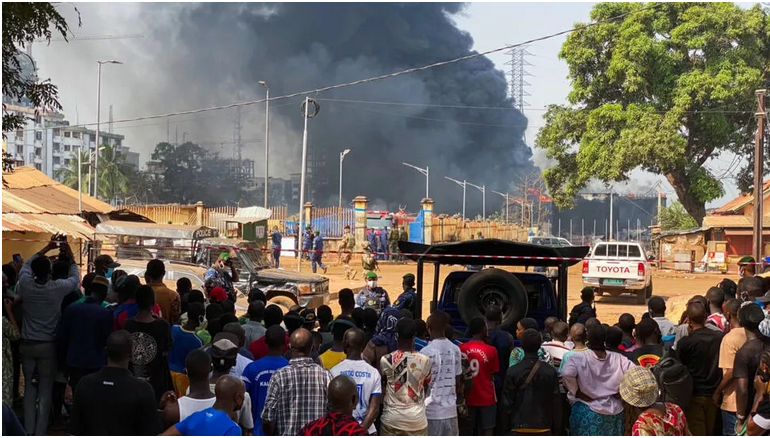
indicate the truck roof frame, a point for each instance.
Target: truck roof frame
{"x":468,"y":252}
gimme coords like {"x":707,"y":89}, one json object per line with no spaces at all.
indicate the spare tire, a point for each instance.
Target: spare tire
{"x":493,"y":287}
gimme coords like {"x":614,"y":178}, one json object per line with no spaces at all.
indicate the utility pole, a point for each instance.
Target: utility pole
{"x":610,"y":237}
{"x":302,"y":185}
{"x":759,"y":146}
{"x":504,"y":195}
{"x":660,"y":197}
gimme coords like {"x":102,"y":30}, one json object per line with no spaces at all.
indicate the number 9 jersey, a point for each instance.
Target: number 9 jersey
{"x":482,"y":364}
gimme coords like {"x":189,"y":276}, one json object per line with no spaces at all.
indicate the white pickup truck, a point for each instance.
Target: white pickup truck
{"x":618,"y":268}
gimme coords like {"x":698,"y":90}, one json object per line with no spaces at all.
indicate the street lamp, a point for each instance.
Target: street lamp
{"x":98,"y":120}
{"x":424,"y":172}
{"x":483,"y":190}
{"x":342,"y":157}
{"x":267,"y":133}
{"x":504,"y":195}
{"x":80,"y":172}
{"x":462,"y":184}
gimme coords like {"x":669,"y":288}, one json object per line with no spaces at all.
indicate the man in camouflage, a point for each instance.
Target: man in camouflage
{"x":368,"y":262}
{"x":347,"y":246}
{"x":402,"y":237}
{"x":393,"y":237}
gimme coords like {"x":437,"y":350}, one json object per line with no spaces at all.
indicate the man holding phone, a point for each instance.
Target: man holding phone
{"x":41,"y":299}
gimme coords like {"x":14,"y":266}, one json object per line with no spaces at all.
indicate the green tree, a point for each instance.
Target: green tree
{"x":23,"y":23}
{"x":662,"y":89}
{"x":112,"y":180}
{"x":675,"y":217}
{"x":69,"y":175}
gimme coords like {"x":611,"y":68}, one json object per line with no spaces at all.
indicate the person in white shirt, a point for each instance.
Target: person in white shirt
{"x":556,"y":347}
{"x":446,"y":378}
{"x":367,"y":379}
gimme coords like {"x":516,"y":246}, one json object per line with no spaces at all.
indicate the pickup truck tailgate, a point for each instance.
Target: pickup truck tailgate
{"x":612,"y":269}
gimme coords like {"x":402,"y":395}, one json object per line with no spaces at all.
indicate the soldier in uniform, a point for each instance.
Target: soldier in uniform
{"x":307,"y":243}
{"x":347,"y":246}
{"x":368,"y":262}
{"x":402,"y":237}
{"x":393,"y":243}
{"x":372,"y":296}
{"x":408,"y":299}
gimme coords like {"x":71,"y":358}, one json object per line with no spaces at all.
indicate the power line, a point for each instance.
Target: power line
{"x":390,"y":75}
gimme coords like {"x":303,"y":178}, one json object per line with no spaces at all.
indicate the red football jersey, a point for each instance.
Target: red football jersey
{"x":483,"y":363}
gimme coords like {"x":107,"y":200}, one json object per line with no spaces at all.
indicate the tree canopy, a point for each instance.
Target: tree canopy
{"x":674,"y":217}
{"x":662,"y":89}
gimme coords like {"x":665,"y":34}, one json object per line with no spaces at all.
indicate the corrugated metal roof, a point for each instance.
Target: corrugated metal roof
{"x":741,"y":201}
{"x":735,"y":221}
{"x":48,"y":223}
{"x":27,"y":190}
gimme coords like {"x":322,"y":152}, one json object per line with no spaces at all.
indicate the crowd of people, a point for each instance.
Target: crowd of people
{"x":144,"y":359}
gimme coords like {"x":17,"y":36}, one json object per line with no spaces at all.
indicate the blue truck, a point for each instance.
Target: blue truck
{"x":465,"y":295}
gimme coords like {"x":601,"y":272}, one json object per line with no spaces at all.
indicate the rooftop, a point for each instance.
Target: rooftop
{"x":732,"y":207}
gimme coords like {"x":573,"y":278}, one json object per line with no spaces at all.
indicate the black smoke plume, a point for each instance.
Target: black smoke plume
{"x":220,"y":51}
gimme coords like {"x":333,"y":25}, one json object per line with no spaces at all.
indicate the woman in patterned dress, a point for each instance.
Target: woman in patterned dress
{"x":646,"y":416}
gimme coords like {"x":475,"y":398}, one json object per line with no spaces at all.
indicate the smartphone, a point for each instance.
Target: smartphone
{"x":17,"y":259}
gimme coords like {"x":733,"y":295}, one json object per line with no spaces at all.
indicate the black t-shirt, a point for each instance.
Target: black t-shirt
{"x":747,"y":362}
{"x":111,"y":402}
{"x":149,"y":362}
{"x":646,"y":355}
{"x":699,"y":352}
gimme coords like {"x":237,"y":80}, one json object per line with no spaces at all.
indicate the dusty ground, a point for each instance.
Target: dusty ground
{"x":676,"y":287}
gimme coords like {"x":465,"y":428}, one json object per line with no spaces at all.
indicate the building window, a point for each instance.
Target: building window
{"x":20,"y":134}
{"x":38,"y":119}
{"x":67,"y":148}
{"x":56,"y":146}
{"x":38,"y":135}
{"x":38,"y":151}
{"x":56,"y":132}
{"x":86,"y":137}
{"x":66,"y":161}
{"x":67,"y":134}
{"x":75,"y":135}
{"x":56,"y":160}
{"x":38,"y":166}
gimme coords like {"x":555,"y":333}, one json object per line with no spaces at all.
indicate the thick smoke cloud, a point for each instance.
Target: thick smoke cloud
{"x":196,"y":55}
{"x":296,"y":46}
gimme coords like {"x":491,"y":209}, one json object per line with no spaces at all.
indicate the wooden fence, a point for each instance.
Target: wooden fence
{"x":455,"y":230}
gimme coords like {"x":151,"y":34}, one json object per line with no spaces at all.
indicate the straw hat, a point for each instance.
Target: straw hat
{"x":639,"y":387}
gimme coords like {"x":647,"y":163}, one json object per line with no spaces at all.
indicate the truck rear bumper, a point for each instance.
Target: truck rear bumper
{"x":629,"y":284}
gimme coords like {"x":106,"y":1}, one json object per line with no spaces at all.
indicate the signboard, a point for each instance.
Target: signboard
{"x":204,"y":232}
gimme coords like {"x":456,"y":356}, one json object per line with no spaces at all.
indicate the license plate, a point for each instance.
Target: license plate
{"x":613,"y":281}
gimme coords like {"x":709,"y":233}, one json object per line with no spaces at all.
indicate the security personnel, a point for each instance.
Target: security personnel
{"x":346,"y":248}
{"x":372,"y":296}
{"x":368,"y":262}
{"x":393,"y":236}
{"x":408,"y":299}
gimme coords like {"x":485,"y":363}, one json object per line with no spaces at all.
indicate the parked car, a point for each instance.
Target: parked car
{"x":548,"y":241}
{"x":617,"y":268}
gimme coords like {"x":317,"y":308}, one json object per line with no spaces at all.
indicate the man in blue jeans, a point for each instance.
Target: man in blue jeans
{"x":41,"y":300}
{"x":276,"y":238}
{"x":317,"y":253}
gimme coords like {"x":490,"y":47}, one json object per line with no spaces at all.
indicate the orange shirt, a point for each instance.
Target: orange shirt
{"x":169,"y":302}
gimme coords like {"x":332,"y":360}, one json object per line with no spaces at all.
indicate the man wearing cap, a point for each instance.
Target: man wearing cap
{"x":746,"y":267}
{"x":104,"y":265}
{"x":347,"y":245}
{"x":408,"y":299}
{"x":217,"y":275}
{"x":307,"y":243}
{"x":83,"y":332}
{"x":651,"y":417}
{"x":372,"y":295}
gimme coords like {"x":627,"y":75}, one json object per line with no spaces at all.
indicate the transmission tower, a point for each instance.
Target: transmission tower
{"x":517,"y":74}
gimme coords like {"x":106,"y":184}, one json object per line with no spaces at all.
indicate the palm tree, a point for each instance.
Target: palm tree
{"x":112,"y":180}
{"x":69,"y":175}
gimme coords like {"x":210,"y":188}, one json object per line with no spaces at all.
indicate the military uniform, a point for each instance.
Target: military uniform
{"x":347,"y":246}
{"x":368,"y":262}
{"x":375,"y":298}
{"x":402,"y":237}
{"x":393,"y":243}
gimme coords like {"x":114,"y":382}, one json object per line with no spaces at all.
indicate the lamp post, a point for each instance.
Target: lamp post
{"x":462,"y":184}
{"x":504,"y":195}
{"x":424,"y":172}
{"x":342,"y":157}
{"x":267,"y":133}
{"x":483,"y":190}
{"x":98,"y":120}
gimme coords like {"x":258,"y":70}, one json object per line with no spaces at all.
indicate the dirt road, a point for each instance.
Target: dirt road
{"x":676,"y":288}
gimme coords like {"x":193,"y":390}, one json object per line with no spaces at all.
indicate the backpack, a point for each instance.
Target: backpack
{"x":674,"y":380}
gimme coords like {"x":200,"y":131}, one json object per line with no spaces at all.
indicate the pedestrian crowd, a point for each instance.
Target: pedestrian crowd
{"x":144,"y":359}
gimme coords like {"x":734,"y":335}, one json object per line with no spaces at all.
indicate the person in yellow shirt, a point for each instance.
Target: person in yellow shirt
{"x":336,"y":353}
